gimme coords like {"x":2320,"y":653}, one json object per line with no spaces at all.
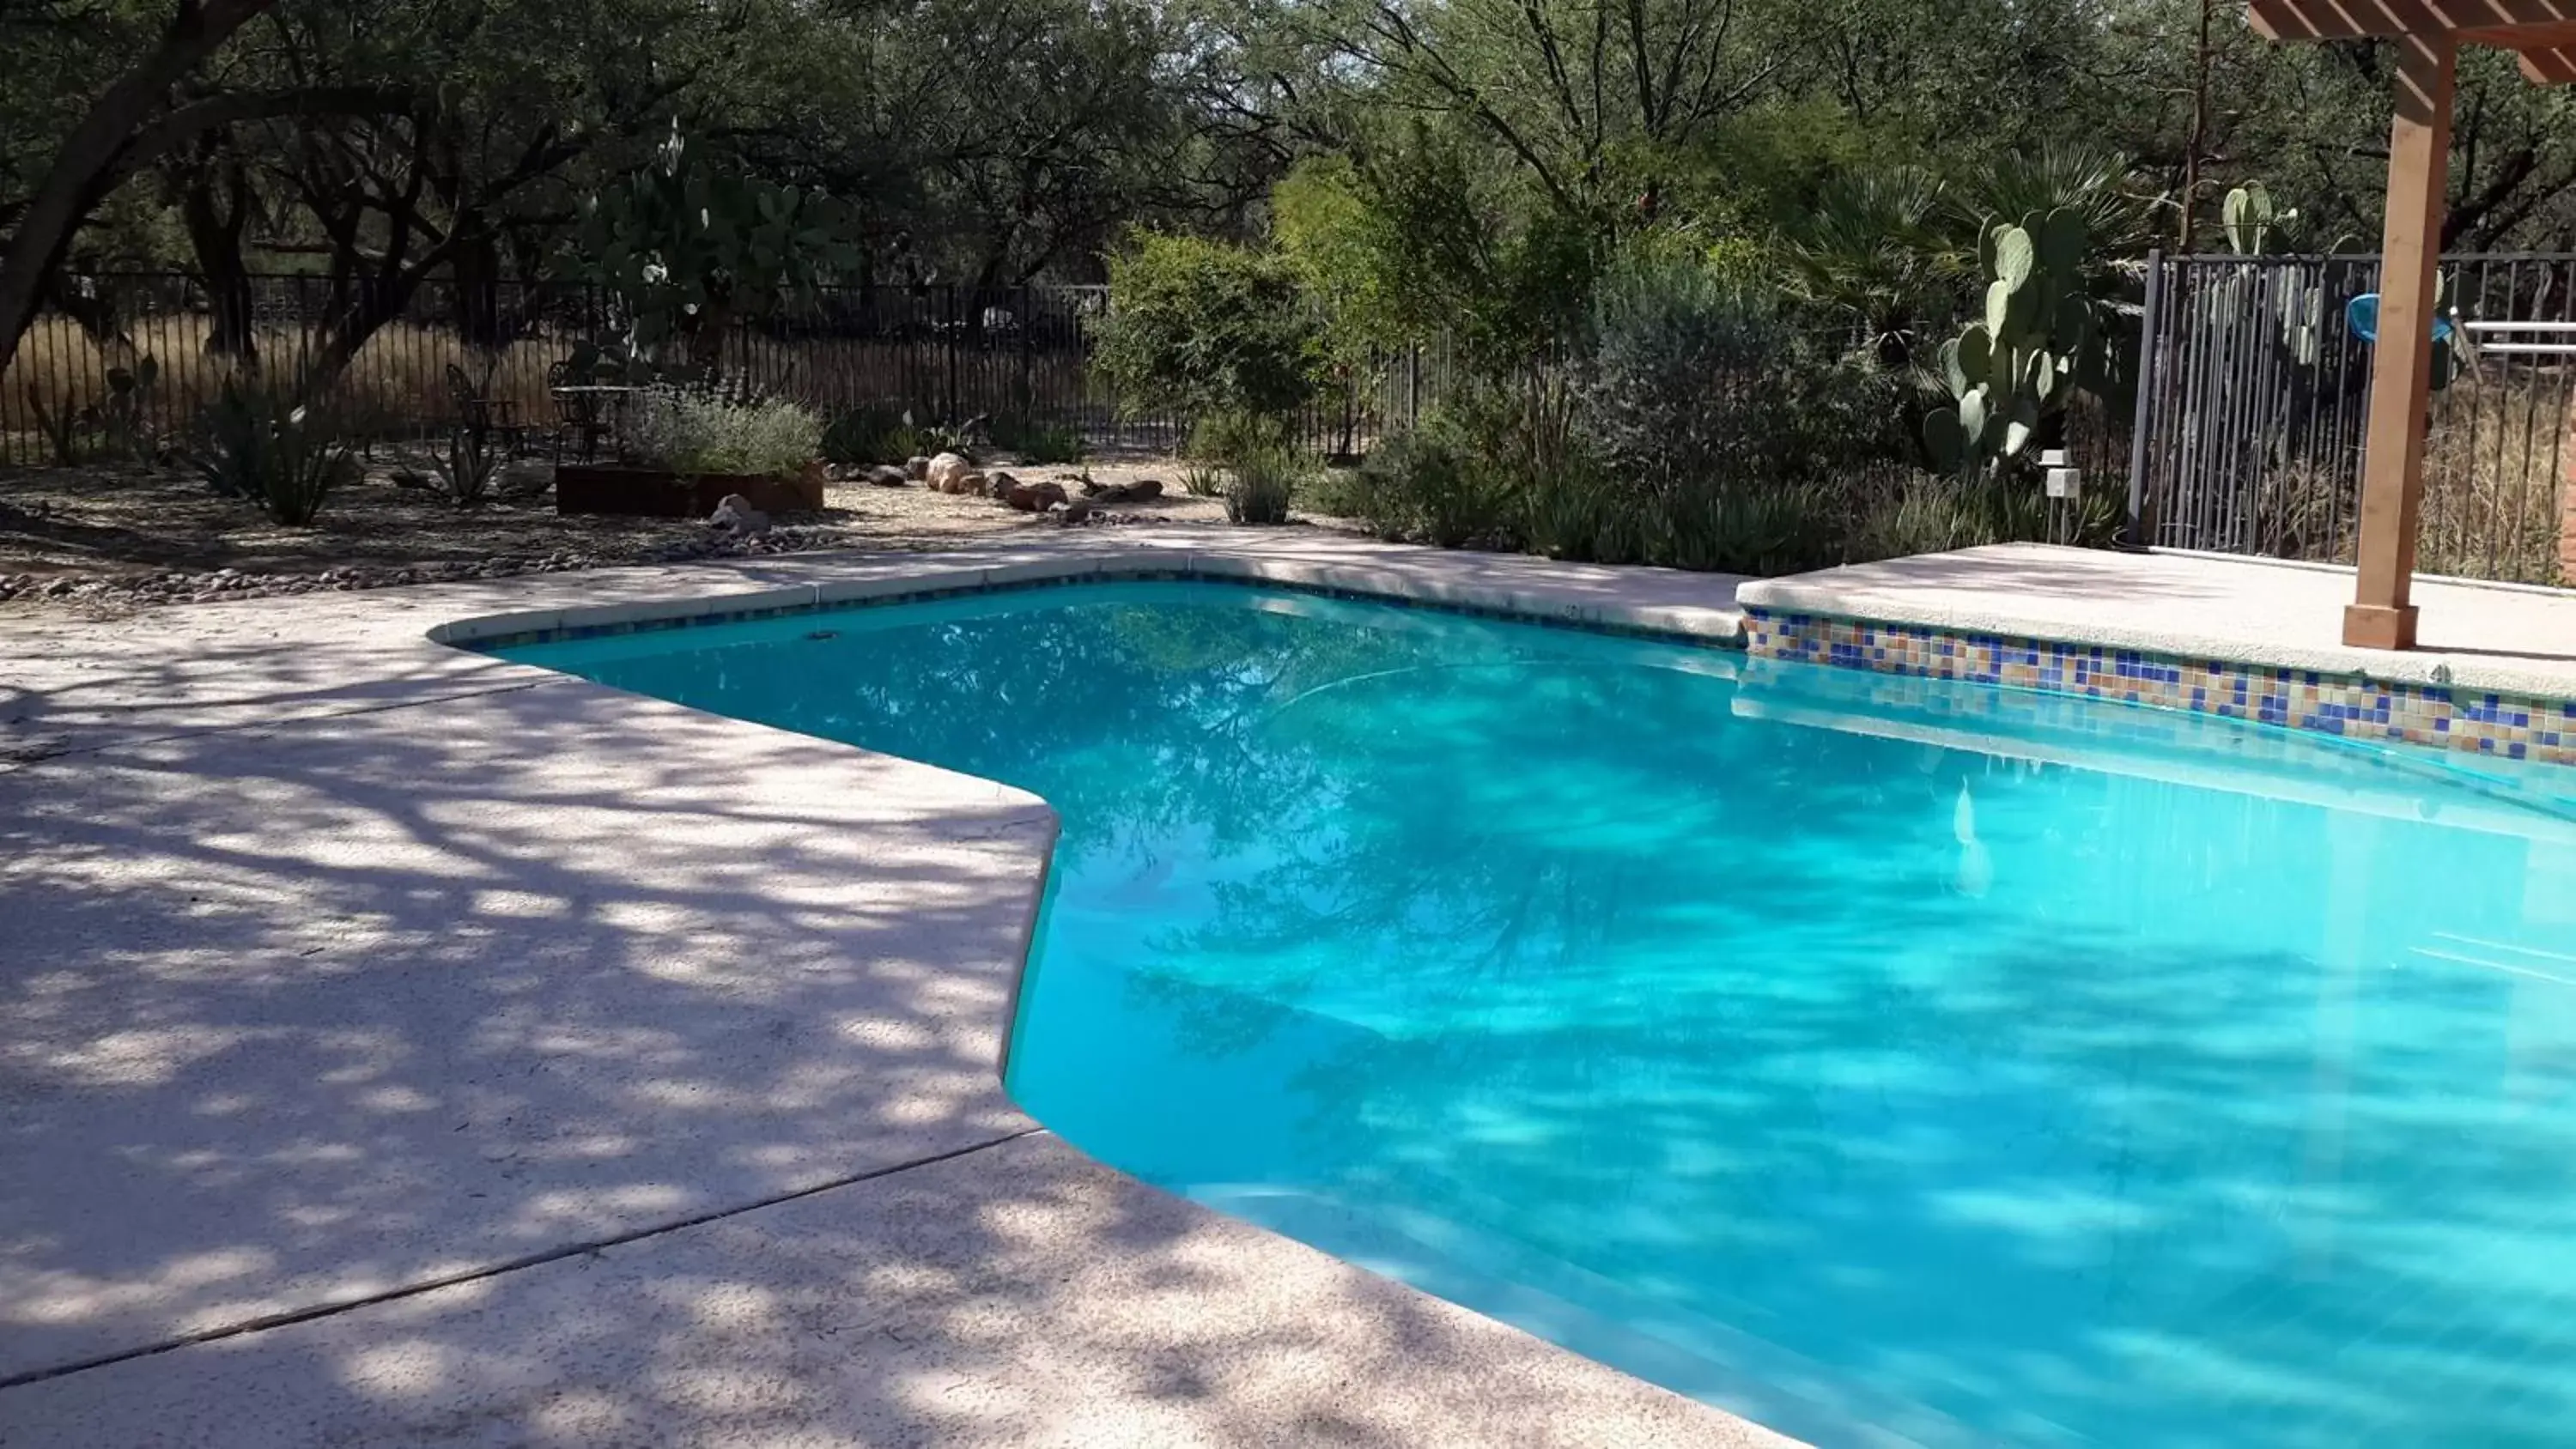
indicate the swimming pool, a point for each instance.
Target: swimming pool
{"x":1884,"y":1059}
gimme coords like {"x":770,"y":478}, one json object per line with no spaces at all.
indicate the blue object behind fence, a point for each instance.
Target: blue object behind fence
{"x":2361,"y":314}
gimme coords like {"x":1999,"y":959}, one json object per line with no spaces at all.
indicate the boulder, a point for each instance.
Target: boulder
{"x":969,"y":484}
{"x":945,"y":467}
{"x":1035,"y":497}
{"x":885,"y":475}
{"x":735,"y":515}
{"x":999,"y":484}
{"x":916,"y":467}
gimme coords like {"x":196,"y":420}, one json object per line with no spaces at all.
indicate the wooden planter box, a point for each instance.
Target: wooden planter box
{"x":659,"y":493}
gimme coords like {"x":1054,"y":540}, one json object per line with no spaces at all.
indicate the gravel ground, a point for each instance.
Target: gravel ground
{"x":108,"y":540}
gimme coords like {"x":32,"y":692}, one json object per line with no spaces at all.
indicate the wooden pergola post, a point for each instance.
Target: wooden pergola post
{"x":2382,"y":613}
{"x":2426,"y":36}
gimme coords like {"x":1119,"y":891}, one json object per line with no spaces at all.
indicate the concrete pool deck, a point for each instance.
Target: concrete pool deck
{"x":406,"y":1045}
{"x":2512,"y":638}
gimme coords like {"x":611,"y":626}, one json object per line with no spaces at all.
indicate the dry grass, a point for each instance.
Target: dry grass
{"x":2495,"y":471}
{"x":2495,"y":480}
{"x":396,"y":387}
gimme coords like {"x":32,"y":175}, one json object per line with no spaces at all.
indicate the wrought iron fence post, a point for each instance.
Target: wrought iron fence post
{"x":1025,"y":313}
{"x":948,"y":344}
{"x":2142,"y":419}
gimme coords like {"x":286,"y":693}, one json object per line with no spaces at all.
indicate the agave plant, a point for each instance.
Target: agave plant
{"x":256,"y":442}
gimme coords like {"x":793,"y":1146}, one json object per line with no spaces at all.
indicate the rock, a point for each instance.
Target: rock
{"x":916,"y":467}
{"x":944,"y":468}
{"x":1143,"y":490}
{"x":1035,"y":497}
{"x":525,"y":478}
{"x":735,"y":515}
{"x":998,"y":484}
{"x":1077,"y":511}
{"x":968,"y":484}
{"x":408,"y":478}
{"x":887,"y":476}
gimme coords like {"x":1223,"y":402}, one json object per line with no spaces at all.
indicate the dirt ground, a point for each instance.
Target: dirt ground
{"x":112,"y":522}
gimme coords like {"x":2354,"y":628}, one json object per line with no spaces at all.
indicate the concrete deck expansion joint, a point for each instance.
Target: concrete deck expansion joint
{"x":410,"y":1046}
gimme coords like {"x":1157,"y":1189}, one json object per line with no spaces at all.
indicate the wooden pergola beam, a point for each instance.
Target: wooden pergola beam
{"x":2554,"y":66}
{"x":2360,"y":19}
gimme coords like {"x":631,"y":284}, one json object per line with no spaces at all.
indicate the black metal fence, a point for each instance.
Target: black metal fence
{"x":2254,"y":390}
{"x":943,"y":354}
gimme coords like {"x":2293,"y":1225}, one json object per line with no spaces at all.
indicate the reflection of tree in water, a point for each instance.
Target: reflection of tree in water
{"x":1524,"y":838}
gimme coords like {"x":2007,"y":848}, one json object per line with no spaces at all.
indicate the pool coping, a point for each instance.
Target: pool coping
{"x":1955,"y":616}
{"x":1525,"y":598}
{"x":303,"y":693}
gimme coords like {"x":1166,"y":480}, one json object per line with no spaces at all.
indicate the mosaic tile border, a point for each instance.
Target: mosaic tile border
{"x":2499,"y":725}
{"x":492,"y":643}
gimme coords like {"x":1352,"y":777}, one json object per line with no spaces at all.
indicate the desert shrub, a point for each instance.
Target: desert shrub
{"x":1199,"y":327}
{"x":256,"y":443}
{"x":690,"y":432}
{"x":875,"y":433}
{"x":1224,"y":435}
{"x":1740,"y":442}
{"x":1933,"y":513}
{"x":1696,"y":380}
{"x":1333,"y":491}
{"x":1264,"y":481}
{"x":1429,"y":485}
{"x":1202,"y":480}
{"x":1586,"y":516}
{"x":1037,"y":442}
{"x":1783,"y":527}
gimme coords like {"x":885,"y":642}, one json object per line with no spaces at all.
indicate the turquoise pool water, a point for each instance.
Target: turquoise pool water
{"x":1883,"y":1059}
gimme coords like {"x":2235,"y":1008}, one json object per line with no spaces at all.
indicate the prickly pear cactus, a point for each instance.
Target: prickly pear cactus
{"x":2247,"y":215}
{"x":684,"y":247}
{"x":2018,"y":364}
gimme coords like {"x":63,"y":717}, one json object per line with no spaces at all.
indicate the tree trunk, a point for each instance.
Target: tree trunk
{"x":475,"y":271}
{"x":87,"y":162}
{"x":214,"y":226}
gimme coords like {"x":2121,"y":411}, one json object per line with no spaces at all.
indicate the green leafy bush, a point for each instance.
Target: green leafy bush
{"x":257,"y":443}
{"x":1199,"y":327}
{"x":1417,"y":240}
{"x":693,"y":432}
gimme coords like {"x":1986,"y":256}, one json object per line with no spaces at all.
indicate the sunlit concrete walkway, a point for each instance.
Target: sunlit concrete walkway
{"x":399,"y":1045}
